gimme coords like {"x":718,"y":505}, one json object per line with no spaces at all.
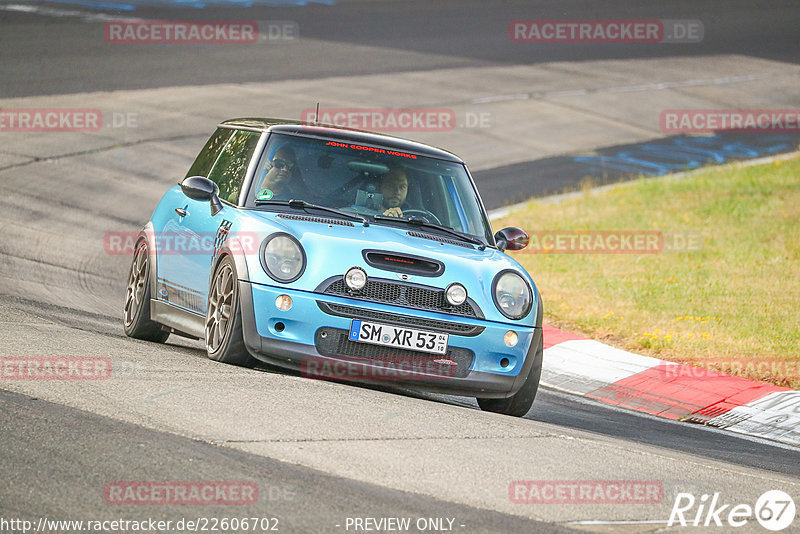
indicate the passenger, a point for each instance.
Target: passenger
{"x":394,"y":188}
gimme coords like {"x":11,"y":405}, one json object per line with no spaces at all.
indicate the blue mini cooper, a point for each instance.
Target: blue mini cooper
{"x":342,"y":254}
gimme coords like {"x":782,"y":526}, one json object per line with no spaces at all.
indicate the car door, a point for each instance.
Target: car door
{"x":185,"y":268}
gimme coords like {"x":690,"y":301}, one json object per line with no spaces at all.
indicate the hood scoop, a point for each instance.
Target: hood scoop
{"x":403,"y":263}
{"x":311,"y":218}
{"x":440,"y":239}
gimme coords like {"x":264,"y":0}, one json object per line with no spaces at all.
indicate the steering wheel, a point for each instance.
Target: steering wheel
{"x":423,"y":214}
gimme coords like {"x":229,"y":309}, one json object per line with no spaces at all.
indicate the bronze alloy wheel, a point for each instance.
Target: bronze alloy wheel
{"x":137,"y":281}
{"x":223,"y":330}
{"x":136,"y":314}
{"x":220,"y":303}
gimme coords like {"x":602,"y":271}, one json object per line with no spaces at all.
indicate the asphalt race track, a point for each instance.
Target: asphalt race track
{"x":322,"y":452}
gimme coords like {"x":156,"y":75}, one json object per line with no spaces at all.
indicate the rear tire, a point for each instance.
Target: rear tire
{"x":136,"y":318}
{"x":223,"y":326}
{"x":520,"y":403}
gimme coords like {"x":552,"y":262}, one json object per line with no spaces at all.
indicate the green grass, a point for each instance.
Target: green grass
{"x":732,"y":303}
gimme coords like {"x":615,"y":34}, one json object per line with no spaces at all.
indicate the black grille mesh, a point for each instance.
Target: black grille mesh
{"x":405,"y":295}
{"x":334,"y":342}
{"x":402,"y":320}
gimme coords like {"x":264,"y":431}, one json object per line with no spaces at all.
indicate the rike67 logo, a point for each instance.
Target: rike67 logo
{"x":774,"y":510}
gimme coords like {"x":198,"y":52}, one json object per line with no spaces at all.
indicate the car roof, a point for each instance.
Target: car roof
{"x":349,"y":135}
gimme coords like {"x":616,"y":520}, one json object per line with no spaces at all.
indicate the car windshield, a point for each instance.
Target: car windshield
{"x":368,"y":181}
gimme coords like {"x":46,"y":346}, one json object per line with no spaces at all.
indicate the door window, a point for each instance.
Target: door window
{"x":205,"y":160}
{"x":231,"y":166}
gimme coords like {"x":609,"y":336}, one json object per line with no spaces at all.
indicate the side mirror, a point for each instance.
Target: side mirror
{"x":511,"y":238}
{"x":201,"y":188}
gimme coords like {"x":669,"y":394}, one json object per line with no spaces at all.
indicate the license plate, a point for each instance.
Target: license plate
{"x":398,"y":336}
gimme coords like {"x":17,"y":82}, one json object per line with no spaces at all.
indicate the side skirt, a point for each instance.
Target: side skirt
{"x":182,"y":322}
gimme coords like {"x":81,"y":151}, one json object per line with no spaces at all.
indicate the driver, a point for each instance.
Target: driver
{"x":394,"y":188}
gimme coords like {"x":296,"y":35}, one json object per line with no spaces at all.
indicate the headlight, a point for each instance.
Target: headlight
{"x":456,"y":294}
{"x":512,"y":295}
{"x":283,"y":258}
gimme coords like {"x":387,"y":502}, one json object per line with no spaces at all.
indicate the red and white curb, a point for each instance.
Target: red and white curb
{"x":594,"y":370}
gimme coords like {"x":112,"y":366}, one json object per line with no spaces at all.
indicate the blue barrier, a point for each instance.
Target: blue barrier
{"x":683,"y":153}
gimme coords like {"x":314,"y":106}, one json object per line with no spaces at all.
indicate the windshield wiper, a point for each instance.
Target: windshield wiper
{"x":416,"y":221}
{"x":303,"y":205}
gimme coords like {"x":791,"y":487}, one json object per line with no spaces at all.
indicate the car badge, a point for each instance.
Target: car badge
{"x":265,"y":194}
{"x":163,"y":293}
{"x":445,"y":361}
{"x":404,"y":276}
{"x":222,"y":235}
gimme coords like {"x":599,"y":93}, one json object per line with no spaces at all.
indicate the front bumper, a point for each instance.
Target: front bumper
{"x":308,"y":338}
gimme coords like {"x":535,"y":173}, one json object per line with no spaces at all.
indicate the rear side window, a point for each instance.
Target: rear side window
{"x":231,"y":165}
{"x":205,"y":160}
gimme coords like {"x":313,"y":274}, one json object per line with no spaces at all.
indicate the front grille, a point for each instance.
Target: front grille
{"x":401,"y":320}
{"x":334,"y":342}
{"x":407,"y":295}
{"x":309,"y":218}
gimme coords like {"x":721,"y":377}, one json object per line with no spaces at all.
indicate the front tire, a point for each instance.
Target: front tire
{"x":520,"y":403}
{"x":223,"y":326}
{"x":136,"y":318}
